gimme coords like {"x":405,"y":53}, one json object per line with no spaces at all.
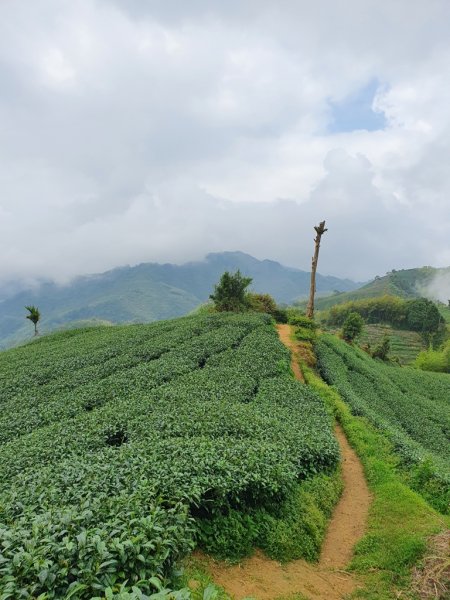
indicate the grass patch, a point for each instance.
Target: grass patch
{"x":199,"y":582}
{"x":300,"y":529}
{"x":400,"y":521}
{"x":292,"y":530}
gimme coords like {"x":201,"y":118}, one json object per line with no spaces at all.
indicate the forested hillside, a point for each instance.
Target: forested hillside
{"x":405,"y":283}
{"x":150,"y":292}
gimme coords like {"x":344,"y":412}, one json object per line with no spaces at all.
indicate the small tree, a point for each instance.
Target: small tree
{"x":382,"y":349}
{"x":34,"y":316}
{"x":353,"y":326}
{"x":423,"y":316}
{"x":230,"y":293}
{"x":266,"y":304}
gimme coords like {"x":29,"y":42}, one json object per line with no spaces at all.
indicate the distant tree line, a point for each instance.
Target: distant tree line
{"x":419,"y":314}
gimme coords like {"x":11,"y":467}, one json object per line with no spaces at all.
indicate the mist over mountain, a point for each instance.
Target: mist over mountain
{"x":150,"y":292}
{"x":428,"y":282}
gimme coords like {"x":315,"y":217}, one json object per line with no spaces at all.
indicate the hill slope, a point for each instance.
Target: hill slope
{"x":407,"y":283}
{"x":410,"y":406}
{"x":150,"y":292}
{"x":163,"y":436}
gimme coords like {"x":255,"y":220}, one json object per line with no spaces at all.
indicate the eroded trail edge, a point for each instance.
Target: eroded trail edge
{"x":265,"y":579}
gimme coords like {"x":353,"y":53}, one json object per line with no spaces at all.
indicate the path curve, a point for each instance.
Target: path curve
{"x":265,"y":579}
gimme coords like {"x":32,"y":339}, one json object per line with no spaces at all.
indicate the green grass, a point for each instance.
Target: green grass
{"x":400,"y":521}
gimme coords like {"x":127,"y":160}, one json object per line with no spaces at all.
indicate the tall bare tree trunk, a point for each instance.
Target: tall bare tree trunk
{"x":320,"y":230}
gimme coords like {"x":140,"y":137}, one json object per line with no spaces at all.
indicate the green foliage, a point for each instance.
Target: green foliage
{"x":299,"y":320}
{"x":352,"y":327}
{"x":400,"y":521}
{"x":118,"y":445}
{"x":298,"y":532}
{"x":261,"y":303}
{"x":422,"y":315}
{"x":419,"y":315}
{"x":266,"y":304}
{"x":286,"y":531}
{"x":403,"y":284}
{"x":230,"y":293}
{"x":409,"y":406}
{"x":382,"y":349}
{"x":405,"y":344}
{"x":305,"y":335}
{"x":383,"y":309}
{"x":232,"y":535}
{"x":434,"y":360}
{"x":34,"y":316}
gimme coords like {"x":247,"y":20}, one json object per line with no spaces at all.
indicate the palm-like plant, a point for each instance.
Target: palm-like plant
{"x":34,"y":316}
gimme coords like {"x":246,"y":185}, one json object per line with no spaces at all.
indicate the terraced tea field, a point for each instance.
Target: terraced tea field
{"x":122,"y":448}
{"x":405,"y":345}
{"x":411,"y":407}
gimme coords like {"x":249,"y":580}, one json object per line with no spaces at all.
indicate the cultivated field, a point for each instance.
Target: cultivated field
{"x":122,"y":448}
{"x":412,"y":407}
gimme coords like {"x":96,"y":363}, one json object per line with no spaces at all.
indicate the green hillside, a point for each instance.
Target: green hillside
{"x":407,"y":283}
{"x":122,"y":448}
{"x":405,"y":345}
{"x":411,"y":407}
{"x":149,"y":292}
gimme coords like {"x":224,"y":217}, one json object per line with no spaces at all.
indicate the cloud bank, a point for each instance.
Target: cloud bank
{"x":160,"y":131}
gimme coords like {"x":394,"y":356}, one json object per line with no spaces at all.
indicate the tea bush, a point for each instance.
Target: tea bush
{"x":122,"y":448}
{"x":410,"y":406}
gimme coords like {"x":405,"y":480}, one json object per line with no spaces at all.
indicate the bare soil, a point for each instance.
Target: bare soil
{"x":284,"y":331}
{"x":264,"y":579}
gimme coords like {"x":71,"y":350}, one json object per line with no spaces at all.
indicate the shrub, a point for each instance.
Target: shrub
{"x":434,"y":360}
{"x":266,"y":304}
{"x":352,"y":327}
{"x":302,"y":321}
{"x":423,"y":315}
{"x":382,"y":349}
{"x":230,"y":293}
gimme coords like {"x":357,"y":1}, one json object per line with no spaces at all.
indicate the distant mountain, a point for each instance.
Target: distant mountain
{"x":407,"y":283}
{"x":150,"y":292}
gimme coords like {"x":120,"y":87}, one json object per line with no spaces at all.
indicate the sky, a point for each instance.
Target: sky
{"x":158,"y":130}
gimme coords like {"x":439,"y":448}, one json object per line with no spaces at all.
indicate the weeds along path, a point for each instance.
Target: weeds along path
{"x":264,"y":579}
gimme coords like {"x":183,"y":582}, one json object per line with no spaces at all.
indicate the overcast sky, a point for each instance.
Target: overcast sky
{"x":141,"y":130}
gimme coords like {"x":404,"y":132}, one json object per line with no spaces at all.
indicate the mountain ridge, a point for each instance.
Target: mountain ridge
{"x":151,"y":291}
{"x":405,"y":283}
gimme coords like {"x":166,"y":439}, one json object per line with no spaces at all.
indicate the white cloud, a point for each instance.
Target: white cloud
{"x":162,"y":131}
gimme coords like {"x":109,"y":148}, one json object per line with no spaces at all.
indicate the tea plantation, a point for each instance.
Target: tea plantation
{"x":121,"y":448}
{"x":412,"y":407}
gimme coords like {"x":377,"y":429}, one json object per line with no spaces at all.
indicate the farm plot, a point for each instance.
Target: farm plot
{"x":412,"y":407}
{"x":117,"y":445}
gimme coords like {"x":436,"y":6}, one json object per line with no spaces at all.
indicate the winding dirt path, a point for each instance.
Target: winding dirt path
{"x":264,"y":579}
{"x":284,"y":331}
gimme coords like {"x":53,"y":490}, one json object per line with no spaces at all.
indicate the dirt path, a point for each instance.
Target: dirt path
{"x":264,"y":579}
{"x":284,"y":331}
